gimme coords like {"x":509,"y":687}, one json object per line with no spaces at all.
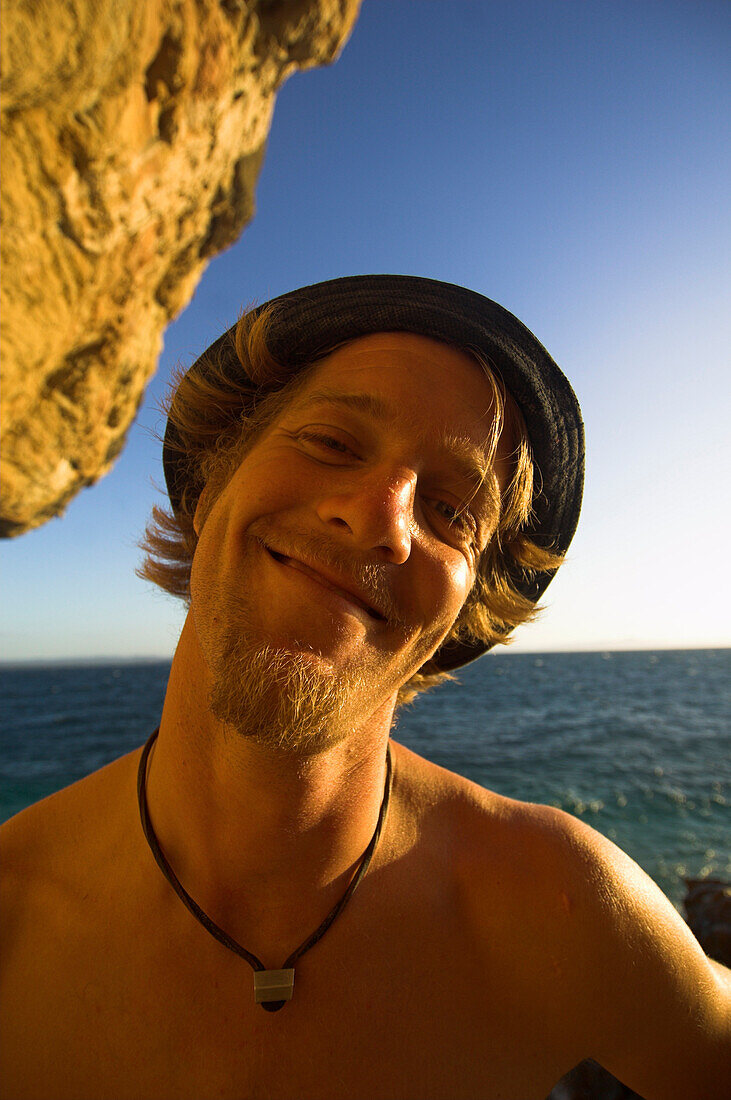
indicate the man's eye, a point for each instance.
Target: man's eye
{"x":455,"y":517}
{"x":327,"y":442}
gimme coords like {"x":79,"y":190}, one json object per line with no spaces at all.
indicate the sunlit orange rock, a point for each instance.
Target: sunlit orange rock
{"x":133,"y":134}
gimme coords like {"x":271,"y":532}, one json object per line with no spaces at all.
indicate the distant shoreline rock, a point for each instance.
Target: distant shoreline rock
{"x":708,"y":913}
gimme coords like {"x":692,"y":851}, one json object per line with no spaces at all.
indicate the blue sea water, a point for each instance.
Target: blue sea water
{"x":635,"y":744}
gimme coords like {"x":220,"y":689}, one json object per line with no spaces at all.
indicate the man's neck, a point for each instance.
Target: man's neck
{"x":261,"y":838}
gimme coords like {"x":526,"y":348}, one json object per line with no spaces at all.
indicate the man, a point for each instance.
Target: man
{"x":372,"y":481}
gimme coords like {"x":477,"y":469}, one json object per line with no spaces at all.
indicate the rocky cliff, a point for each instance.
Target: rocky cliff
{"x":133,"y":134}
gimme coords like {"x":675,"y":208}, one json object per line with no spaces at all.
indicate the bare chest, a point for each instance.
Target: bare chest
{"x":397,"y":1002}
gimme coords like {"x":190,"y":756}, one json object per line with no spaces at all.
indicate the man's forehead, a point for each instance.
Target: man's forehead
{"x":380,"y":360}
{"x":465,"y":438}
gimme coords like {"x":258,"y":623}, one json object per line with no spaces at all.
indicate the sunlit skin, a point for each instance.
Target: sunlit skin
{"x":371,"y":491}
{"x":492,"y":945}
{"x":374,"y":495}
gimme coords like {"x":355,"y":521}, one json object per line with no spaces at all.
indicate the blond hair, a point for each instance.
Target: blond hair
{"x":221,"y":411}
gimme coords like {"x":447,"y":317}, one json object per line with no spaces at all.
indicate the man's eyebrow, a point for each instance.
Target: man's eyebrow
{"x":368,"y":403}
{"x":469,"y":459}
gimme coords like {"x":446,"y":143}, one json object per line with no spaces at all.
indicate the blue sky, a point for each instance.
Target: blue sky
{"x":568,"y":159}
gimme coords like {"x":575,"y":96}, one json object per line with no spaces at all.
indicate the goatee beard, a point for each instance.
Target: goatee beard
{"x":280,"y":699}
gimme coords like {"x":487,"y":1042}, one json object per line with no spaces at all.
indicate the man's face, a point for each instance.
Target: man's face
{"x":333,"y":555}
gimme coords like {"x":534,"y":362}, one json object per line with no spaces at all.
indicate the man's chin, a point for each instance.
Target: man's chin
{"x":289,"y":699}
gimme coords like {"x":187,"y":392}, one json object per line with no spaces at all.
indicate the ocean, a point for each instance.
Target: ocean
{"x":635,"y":744}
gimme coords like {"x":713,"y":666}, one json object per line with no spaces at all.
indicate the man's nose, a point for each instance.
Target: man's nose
{"x":377,"y":512}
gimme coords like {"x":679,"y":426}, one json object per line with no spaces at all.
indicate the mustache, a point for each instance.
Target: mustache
{"x":369,"y":578}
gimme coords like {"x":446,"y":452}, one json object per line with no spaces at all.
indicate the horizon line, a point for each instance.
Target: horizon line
{"x":75,"y":662}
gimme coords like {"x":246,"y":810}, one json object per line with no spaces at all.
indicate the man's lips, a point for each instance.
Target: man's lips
{"x":328,"y":582}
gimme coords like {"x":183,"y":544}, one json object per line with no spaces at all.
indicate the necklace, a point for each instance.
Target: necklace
{"x":272,"y":988}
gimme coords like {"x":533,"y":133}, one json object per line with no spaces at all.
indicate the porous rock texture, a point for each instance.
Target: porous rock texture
{"x":133,"y":134}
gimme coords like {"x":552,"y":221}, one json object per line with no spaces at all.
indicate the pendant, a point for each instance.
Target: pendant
{"x":273,"y":988}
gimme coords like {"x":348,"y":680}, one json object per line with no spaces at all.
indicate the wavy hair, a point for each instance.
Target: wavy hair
{"x":221,"y":411}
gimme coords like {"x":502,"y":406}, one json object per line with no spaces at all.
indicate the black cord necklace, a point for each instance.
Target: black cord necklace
{"x":272,"y":988}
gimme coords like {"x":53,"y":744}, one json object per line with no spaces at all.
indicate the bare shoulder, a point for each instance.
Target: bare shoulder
{"x":617,"y":959}
{"x":583,"y":889}
{"x":62,"y":816}
{"x":657,"y":1012}
{"x":51,"y":848}
{"x":588,"y":929}
{"x":490,"y":843}
{"x":432,"y":801}
{"x":68,"y":888}
{"x":480,"y":818}
{"x":548,"y":858}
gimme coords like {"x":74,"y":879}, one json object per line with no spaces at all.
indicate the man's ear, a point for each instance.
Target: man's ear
{"x":201,"y":511}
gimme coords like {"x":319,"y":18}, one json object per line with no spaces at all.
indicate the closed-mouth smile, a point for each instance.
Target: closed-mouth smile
{"x":326,"y":582}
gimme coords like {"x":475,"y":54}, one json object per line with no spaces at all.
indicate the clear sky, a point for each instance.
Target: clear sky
{"x":568,"y":158}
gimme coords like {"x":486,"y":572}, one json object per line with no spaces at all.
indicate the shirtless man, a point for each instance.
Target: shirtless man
{"x":362,"y":530}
